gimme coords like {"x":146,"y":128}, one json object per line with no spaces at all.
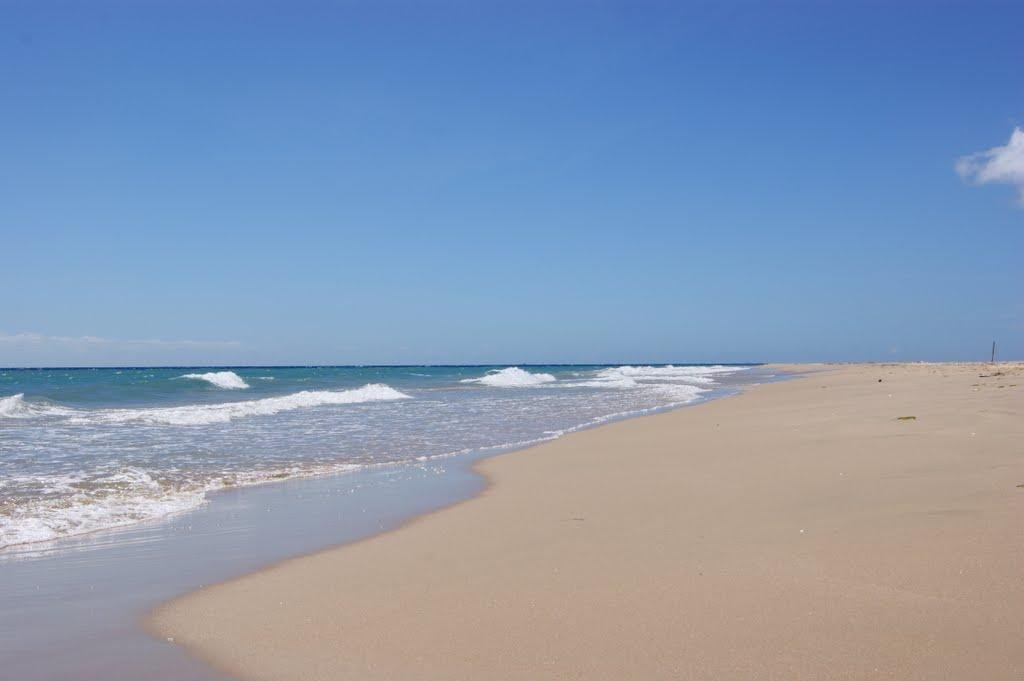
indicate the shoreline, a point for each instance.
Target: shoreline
{"x":86,"y":595}
{"x":473,"y":464}
{"x":230,"y":625}
{"x":80,"y":601}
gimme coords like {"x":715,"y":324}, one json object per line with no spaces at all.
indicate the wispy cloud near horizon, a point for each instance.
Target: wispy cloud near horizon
{"x":1002,"y":165}
{"x":36,"y":339}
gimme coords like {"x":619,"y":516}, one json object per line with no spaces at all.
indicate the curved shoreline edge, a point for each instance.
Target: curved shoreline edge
{"x":476,"y":466}
{"x":692,"y":554}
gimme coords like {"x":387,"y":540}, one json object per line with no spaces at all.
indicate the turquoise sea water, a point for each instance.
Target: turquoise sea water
{"x":83,"y":450}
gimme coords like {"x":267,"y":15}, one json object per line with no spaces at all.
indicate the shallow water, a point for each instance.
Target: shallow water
{"x":71,"y":609}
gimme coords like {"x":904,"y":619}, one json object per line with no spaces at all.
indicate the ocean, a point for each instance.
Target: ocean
{"x":84,"y":450}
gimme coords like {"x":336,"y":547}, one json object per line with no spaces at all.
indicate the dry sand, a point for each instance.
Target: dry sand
{"x":796,"y":531}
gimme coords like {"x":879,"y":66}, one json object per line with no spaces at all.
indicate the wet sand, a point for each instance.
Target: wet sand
{"x":71,"y":608}
{"x":809,"y":529}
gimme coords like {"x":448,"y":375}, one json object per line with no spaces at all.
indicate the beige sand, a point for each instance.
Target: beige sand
{"x":797,"y":531}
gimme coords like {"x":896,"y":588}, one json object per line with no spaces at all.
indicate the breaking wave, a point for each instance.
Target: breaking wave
{"x":16,"y":407}
{"x":228,"y":380}
{"x":201,"y":414}
{"x":633,"y":376}
{"x":678,"y":384}
{"x":204,"y":414}
{"x":512,"y":377}
{"x":13,"y":406}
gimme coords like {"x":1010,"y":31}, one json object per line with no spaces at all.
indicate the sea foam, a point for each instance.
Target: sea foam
{"x":698,"y":374}
{"x":228,"y":380}
{"x":678,"y":384}
{"x":125,"y":497}
{"x":204,"y":414}
{"x":511,"y":377}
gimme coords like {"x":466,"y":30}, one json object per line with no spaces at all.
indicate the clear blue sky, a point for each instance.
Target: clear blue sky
{"x":250,"y":182}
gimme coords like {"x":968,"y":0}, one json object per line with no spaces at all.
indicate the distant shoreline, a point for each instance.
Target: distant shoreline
{"x":184,"y":367}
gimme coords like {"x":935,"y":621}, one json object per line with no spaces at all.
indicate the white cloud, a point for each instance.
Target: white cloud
{"x":1004,"y":164}
{"x":38,"y":339}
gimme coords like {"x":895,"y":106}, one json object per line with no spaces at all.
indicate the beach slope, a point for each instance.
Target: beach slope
{"x":862,"y":521}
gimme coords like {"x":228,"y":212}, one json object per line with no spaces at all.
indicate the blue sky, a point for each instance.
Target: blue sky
{"x":272,"y":183}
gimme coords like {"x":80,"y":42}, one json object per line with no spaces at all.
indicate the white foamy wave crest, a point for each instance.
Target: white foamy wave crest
{"x":13,"y":406}
{"x":127,"y":497}
{"x":204,"y":414}
{"x":512,"y":377}
{"x":16,"y":407}
{"x":228,"y":380}
{"x":679,"y":384}
{"x":684,"y":374}
{"x":626,"y":377}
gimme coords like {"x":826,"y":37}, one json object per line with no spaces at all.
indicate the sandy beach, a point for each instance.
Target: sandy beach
{"x":862,"y":521}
